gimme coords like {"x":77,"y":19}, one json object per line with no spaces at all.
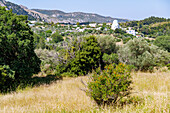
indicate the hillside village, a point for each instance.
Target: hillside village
{"x":69,"y":30}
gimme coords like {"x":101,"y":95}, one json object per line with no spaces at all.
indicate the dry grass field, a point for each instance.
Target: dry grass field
{"x":153,"y":89}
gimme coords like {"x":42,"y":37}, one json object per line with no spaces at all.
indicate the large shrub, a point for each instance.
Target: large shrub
{"x":110,"y":85}
{"x":141,"y":54}
{"x":87,"y":56}
{"x":16,"y":45}
{"x":80,"y":56}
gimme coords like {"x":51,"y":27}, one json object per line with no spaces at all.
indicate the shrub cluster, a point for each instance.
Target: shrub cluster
{"x":110,"y":85}
{"x":142,"y":55}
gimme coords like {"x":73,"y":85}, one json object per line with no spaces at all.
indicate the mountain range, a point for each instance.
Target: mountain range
{"x":57,"y":16}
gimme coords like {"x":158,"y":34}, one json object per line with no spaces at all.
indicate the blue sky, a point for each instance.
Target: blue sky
{"x":128,"y":9}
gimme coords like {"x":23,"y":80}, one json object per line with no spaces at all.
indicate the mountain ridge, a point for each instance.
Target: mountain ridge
{"x":58,"y":16}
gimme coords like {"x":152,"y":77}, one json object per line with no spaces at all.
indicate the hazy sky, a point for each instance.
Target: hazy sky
{"x":128,"y":9}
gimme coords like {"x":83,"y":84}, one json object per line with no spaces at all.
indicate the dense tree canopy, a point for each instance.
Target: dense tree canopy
{"x":17,"y":45}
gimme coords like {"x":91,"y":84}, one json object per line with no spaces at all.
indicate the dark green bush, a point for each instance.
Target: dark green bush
{"x":17,"y":45}
{"x":80,"y":56}
{"x":110,"y":85}
{"x":86,"y":58}
{"x":6,"y":75}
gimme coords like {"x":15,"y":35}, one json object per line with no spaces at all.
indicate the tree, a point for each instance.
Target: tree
{"x":80,"y":57}
{"x":107,"y":44}
{"x":87,"y":56}
{"x":163,"y":42}
{"x":17,"y":45}
{"x":141,"y":54}
{"x":56,"y":37}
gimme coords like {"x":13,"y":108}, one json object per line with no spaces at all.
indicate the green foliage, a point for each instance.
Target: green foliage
{"x":80,"y":56}
{"x":49,"y":60}
{"x":152,"y":26}
{"x":17,"y":45}
{"x":6,"y":74}
{"x":107,"y":44}
{"x":56,"y":37}
{"x":163,"y":42}
{"x":147,"y":21}
{"x":49,"y":31}
{"x":119,"y":31}
{"x":142,"y":55}
{"x":118,"y":40}
{"x":168,"y":65}
{"x":68,"y":74}
{"x":39,"y":42}
{"x":86,"y":58}
{"x":110,"y":59}
{"x":125,"y":40}
{"x":110,"y":85}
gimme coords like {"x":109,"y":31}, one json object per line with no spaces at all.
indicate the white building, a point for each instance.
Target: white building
{"x":81,"y":30}
{"x":99,"y":28}
{"x":132,"y":32}
{"x":93,"y":25}
{"x":115,"y":25}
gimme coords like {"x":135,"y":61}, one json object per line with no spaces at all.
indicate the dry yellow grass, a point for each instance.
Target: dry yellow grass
{"x":66,"y":96}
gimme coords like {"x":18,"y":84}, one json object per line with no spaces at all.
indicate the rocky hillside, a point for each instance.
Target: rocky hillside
{"x":56,"y":15}
{"x":22,"y":10}
{"x":77,"y":16}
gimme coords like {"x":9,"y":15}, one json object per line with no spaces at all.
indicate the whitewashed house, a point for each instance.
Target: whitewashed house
{"x":93,"y":25}
{"x":132,"y":32}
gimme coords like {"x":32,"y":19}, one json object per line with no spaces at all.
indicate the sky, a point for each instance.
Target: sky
{"x":127,"y":9}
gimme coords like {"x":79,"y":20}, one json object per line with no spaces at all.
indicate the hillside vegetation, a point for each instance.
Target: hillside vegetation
{"x":151,"y":27}
{"x":81,"y":68}
{"x":151,"y":93}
